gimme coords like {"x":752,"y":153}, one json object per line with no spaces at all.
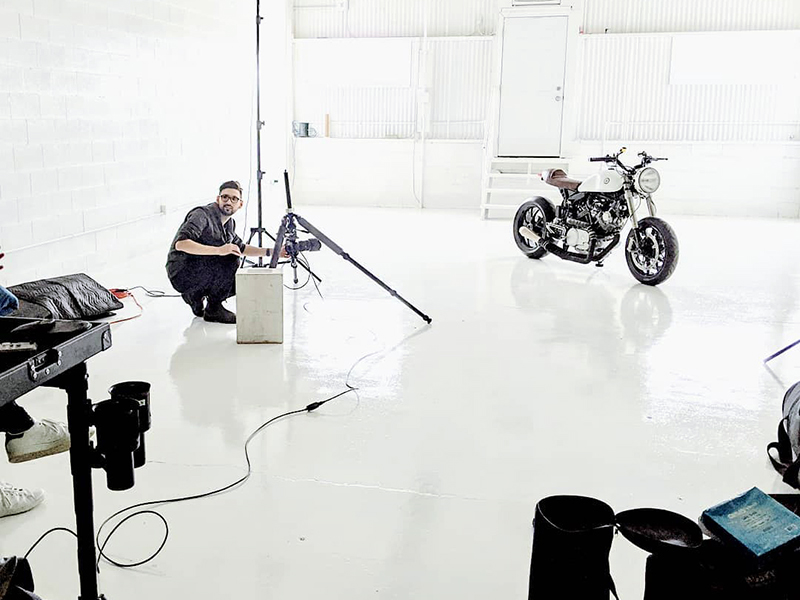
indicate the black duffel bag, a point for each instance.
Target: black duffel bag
{"x":787,"y":462}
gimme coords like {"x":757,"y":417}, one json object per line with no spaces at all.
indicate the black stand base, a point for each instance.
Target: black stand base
{"x":253,"y":232}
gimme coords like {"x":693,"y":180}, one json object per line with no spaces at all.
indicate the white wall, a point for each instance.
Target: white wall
{"x":110,"y":110}
{"x":410,"y":81}
{"x":617,"y":81}
{"x":723,"y":106}
{"x":388,"y":173}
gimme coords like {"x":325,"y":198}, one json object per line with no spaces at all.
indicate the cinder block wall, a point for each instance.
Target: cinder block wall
{"x":111,"y":113}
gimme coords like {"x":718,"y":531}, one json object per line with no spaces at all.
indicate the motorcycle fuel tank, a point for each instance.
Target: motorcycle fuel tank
{"x":604,"y":181}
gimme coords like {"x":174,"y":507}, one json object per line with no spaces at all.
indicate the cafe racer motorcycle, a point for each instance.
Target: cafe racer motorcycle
{"x":588,"y":223}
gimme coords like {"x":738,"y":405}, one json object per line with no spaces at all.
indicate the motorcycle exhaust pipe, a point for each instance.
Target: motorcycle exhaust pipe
{"x":530,"y":235}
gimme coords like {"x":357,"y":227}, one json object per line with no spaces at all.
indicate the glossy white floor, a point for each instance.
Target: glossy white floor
{"x":535,"y":378}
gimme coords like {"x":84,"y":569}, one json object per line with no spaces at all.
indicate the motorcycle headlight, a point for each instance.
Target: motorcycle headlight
{"x":648,"y":180}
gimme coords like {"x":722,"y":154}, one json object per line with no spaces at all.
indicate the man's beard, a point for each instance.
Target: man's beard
{"x":226,"y":210}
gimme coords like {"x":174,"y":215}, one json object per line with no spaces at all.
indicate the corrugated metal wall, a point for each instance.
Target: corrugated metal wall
{"x":453,"y":64}
{"x":648,"y":16}
{"x":459,"y":76}
{"x":393,"y":18}
{"x":456,"y":74}
{"x":626,"y":94}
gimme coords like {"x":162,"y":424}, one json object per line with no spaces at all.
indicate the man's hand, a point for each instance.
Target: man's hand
{"x":229,"y":249}
{"x":284,"y":254}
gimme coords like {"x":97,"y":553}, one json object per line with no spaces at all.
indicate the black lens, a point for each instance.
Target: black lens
{"x":311,"y":245}
{"x":117,"y":422}
{"x":139,"y":391}
{"x":119,"y":471}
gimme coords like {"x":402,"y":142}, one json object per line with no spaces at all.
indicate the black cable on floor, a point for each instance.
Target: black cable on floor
{"x":309,"y":408}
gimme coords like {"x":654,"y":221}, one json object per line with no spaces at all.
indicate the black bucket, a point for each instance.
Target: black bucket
{"x":572,"y":538}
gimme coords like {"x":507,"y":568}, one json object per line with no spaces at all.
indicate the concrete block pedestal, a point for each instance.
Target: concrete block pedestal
{"x":259,"y":305}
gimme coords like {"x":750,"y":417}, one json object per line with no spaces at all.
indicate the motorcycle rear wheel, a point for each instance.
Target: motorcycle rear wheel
{"x":534,"y":213}
{"x":652,"y":251}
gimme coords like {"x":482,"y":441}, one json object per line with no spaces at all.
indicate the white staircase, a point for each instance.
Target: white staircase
{"x":507,"y":182}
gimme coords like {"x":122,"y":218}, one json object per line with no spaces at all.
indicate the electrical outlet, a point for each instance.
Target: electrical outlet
{"x":162,"y":209}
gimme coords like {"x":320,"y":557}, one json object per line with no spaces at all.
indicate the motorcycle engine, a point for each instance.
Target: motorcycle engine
{"x":578,"y":239}
{"x":608,"y":214}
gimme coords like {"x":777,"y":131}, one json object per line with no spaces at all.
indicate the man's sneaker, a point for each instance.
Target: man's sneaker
{"x":195,"y":303}
{"x":43,"y":439}
{"x":14,"y":500}
{"x":216,"y":313}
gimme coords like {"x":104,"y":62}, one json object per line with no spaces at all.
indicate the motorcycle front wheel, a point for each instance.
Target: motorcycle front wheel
{"x":533,"y":214}
{"x":652,"y":251}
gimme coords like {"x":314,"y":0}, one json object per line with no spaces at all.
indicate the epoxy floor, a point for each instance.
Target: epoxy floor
{"x":535,"y":378}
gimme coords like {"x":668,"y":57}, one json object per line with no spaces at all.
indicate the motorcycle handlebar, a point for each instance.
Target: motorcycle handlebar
{"x":600,"y":158}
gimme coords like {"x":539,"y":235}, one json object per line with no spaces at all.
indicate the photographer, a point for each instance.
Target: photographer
{"x":205,"y":253}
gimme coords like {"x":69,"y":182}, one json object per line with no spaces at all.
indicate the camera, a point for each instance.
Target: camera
{"x":121,"y":423}
{"x":310,"y":245}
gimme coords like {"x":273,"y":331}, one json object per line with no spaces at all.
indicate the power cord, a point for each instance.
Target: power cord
{"x":149,"y":293}
{"x":121,"y":294}
{"x":101,"y":545}
{"x":239,"y":482}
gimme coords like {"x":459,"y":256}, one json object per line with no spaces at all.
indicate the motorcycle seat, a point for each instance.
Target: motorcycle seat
{"x":559,"y":179}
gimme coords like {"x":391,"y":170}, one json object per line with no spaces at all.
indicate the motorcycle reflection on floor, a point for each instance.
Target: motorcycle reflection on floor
{"x":586,"y":226}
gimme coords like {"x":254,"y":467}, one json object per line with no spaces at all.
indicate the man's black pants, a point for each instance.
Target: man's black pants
{"x":14,"y":418}
{"x":211,"y":276}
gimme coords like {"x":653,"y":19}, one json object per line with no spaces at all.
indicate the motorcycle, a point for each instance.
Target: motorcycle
{"x":586,"y":226}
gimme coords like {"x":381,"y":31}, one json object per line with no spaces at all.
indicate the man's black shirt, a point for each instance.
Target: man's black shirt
{"x":204,"y":226}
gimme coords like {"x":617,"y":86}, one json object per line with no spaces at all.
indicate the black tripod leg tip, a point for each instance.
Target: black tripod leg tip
{"x":427,"y":319}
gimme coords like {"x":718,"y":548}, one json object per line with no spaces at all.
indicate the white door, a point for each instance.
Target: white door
{"x":532,"y":86}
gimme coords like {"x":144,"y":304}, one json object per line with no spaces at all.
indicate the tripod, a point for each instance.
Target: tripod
{"x":287,"y":238}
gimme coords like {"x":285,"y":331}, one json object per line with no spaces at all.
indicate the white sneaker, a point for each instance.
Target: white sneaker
{"x":14,"y":500}
{"x":43,"y":439}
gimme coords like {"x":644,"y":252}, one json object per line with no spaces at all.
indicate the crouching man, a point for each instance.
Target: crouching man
{"x":205,"y":253}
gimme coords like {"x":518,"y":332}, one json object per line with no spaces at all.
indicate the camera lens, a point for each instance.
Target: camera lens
{"x":117,"y":422}
{"x":310,"y":245}
{"x":139,"y":391}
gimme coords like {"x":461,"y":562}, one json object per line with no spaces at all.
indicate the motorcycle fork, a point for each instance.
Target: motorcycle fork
{"x":631,"y":209}
{"x":634,"y":220}
{"x":651,"y":206}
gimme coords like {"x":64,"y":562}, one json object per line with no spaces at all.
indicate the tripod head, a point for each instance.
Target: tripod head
{"x":287,"y":235}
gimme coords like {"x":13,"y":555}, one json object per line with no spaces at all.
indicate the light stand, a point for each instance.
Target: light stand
{"x":288,"y":232}
{"x":259,"y":230}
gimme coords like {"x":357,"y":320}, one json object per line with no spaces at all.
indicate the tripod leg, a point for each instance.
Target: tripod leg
{"x":338,"y":250}
{"x":276,"y":250}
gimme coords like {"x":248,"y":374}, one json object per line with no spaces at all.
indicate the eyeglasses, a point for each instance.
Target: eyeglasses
{"x":228,"y":198}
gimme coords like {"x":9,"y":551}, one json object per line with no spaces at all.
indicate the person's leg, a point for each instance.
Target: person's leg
{"x":212,"y":277}
{"x":14,"y":418}
{"x":191,"y":283}
{"x":27,"y":438}
{"x":221,"y":281}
